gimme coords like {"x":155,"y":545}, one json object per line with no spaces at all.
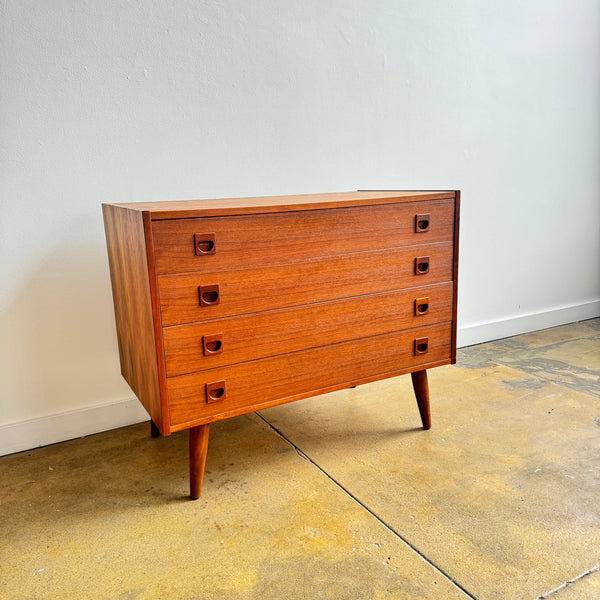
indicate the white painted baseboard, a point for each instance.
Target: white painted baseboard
{"x":50,"y":429}
{"x":24,"y":435}
{"x":495,"y":330}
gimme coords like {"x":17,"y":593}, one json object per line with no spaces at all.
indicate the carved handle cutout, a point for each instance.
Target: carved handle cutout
{"x":422,"y":223}
{"x":209,"y":295}
{"x":421,"y":265}
{"x":421,"y":346}
{"x":212,"y":344}
{"x":216,"y":391}
{"x":421,"y":306}
{"x":204,"y":243}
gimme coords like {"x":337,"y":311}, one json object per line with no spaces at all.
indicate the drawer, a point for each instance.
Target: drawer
{"x":182,"y":245}
{"x":245,"y":387}
{"x":219,"y":342}
{"x":279,"y":285}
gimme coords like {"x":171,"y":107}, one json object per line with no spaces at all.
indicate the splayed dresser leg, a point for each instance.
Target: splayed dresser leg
{"x":421,"y":387}
{"x":198,"y":449}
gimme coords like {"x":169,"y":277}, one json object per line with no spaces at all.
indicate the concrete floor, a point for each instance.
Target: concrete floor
{"x":339,"y":496}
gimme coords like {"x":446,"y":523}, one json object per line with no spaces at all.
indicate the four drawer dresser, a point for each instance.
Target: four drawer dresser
{"x":229,"y":306}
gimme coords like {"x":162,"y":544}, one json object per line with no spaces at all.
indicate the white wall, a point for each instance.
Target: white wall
{"x":155,"y":100}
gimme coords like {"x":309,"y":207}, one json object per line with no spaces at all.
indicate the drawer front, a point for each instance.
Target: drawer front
{"x":219,"y":342}
{"x":254,"y":289}
{"x":223,"y":242}
{"x":219,"y":393}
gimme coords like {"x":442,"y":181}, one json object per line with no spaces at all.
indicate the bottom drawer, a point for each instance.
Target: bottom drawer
{"x":224,"y":392}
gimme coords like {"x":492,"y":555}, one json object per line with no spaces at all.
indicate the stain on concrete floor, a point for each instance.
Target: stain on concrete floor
{"x":568,"y":355}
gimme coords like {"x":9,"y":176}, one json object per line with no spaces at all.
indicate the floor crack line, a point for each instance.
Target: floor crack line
{"x":566,"y":584}
{"x":301,"y":454}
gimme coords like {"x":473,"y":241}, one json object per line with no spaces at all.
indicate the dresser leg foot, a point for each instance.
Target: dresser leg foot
{"x":198,"y":448}
{"x":421,"y":387}
{"x":154,"y":430}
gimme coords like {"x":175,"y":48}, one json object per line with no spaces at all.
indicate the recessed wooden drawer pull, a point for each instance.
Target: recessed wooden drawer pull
{"x":421,"y":306}
{"x":421,"y":345}
{"x":209,"y":295}
{"x":421,"y":265}
{"x":204,"y":243}
{"x":212,"y":344}
{"x":216,"y":391}
{"x":422,"y":223}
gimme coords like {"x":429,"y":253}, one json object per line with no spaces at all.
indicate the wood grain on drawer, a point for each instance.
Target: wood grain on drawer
{"x":252,"y":385}
{"x":258,"y":335}
{"x":223,"y":242}
{"x":280,"y":285}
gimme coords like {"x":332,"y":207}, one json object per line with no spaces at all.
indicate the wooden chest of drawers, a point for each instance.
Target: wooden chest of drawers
{"x":228,"y":306}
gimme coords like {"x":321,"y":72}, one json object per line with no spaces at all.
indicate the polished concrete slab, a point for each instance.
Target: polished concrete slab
{"x":108,"y":517}
{"x":338,"y":496}
{"x":499,"y":493}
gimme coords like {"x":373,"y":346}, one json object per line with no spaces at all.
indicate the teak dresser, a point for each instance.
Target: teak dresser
{"x":229,"y":306}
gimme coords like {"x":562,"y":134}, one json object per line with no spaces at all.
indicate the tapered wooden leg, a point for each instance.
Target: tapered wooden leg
{"x":198,"y":448}
{"x":154,"y":431}
{"x":421,"y":387}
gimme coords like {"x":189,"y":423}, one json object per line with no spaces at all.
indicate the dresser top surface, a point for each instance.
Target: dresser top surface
{"x":184,"y":209}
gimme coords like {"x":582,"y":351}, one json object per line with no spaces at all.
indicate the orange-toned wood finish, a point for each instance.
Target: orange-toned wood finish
{"x":134,"y":314}
{"x":421,"y":387}
{"x":198,"y":448}
{"x":260,"y":383}
{"x":277,"y":285}
{"x":262,"y":334}
{"x":190,"y":209}
{"x":278,"y":237}
{"x":228,"y":306}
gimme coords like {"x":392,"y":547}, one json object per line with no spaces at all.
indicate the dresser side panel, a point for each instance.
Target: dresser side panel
{"x":128,"y":265}
{"x":455,"y":274}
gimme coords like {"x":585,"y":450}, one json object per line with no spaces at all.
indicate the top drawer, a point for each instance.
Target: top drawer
{"x":182,"y":245}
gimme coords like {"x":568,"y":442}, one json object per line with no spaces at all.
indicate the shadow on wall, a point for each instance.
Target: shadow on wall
{"x":59,"y":344}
